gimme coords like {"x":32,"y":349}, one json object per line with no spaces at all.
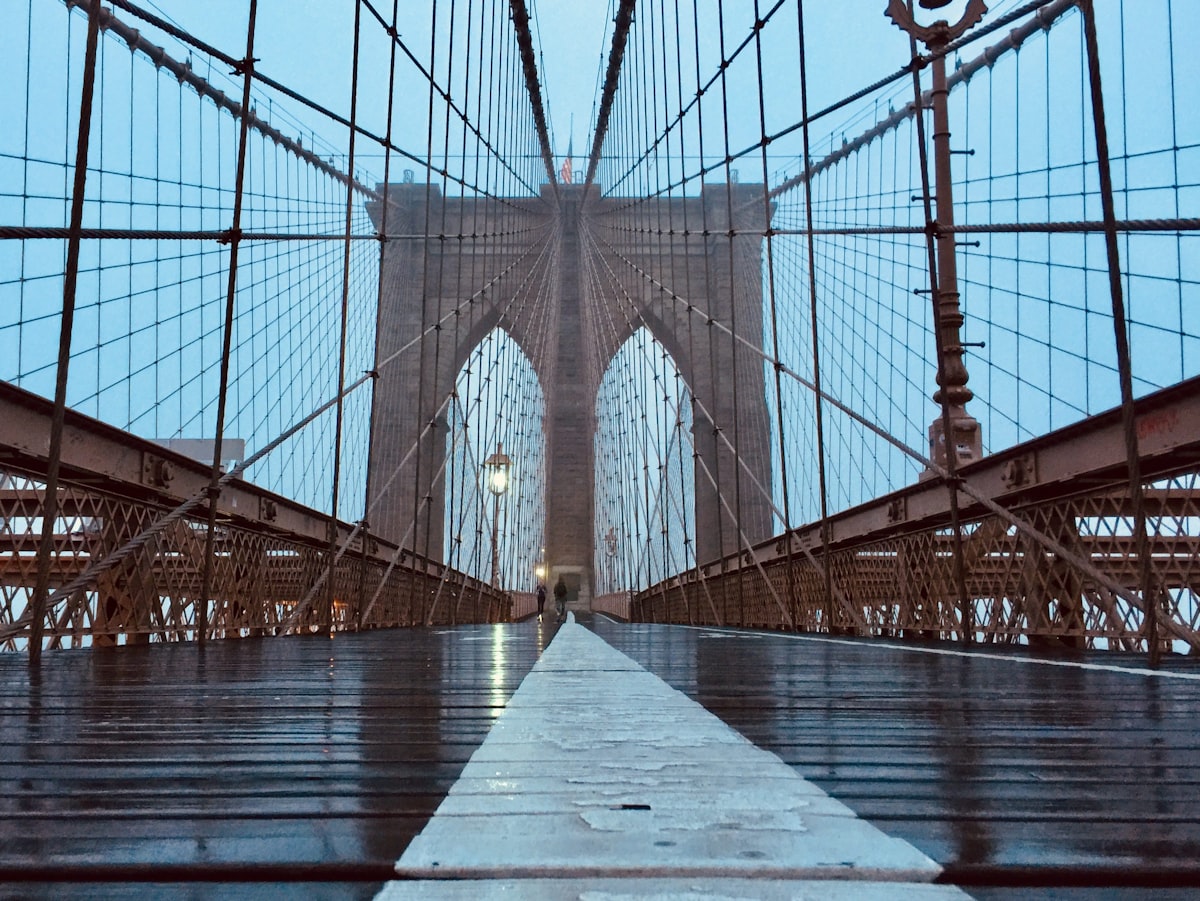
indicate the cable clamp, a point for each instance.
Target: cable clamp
{"x":242,"y":66}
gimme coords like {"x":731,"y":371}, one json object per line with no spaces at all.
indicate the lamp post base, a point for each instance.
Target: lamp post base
{"x":967,"y":442}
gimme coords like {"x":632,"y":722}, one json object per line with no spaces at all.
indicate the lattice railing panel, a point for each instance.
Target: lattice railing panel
{"x":259,"y":579}
{"x":1018,"y":592}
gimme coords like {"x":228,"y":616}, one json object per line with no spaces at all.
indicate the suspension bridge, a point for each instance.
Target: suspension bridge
{"x":847,"y":381}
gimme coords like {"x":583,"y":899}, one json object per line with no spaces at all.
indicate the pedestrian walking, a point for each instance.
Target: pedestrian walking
{"x":560,"y":599}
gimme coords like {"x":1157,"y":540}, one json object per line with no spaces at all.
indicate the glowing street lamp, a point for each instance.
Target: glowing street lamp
{"x":497,"y":467}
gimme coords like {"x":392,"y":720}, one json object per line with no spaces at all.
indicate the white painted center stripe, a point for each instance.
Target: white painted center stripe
{"x":599,"y":773}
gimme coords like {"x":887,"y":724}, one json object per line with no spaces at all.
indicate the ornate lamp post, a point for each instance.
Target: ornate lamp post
{"x":952,"y":372}
{"x":497,"y":466}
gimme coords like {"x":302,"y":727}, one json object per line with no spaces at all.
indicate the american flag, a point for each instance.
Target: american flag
{"x":565,"y":172}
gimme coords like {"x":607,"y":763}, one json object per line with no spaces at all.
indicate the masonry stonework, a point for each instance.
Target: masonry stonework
{"x":690,"y":279}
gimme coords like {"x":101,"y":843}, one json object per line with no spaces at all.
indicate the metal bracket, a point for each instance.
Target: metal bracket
{"x":897,"y":509}
{"x":156,"y":472}
{"x":1019,"y":471}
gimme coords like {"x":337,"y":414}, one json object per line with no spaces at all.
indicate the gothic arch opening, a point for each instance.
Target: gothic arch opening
{"x":644,"y":473}
{"x":498,"y":408}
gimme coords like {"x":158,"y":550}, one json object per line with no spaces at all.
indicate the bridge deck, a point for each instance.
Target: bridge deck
{"x":307,"y":766}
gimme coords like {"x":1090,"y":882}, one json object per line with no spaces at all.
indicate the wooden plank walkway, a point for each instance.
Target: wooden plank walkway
{"x":297,"y":759}
{"x":304,"y":767}
{"x":1008,"y":769}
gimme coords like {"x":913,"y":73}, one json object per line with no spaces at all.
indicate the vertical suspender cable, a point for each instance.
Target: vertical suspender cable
{"x":708,"y":300}
{"x":1150,"y":599}
{"x":383,"y":223}
{"x":70,"y":281}
{"x":739,"y":531}
{"x":435,"y":393}
{"x":246,"y":70}
{"x":620,"y":32}
{"x":326,"y":616}
{"x":771,"y":299}
{"x":816,"y":340}
{"x":424,"y":282}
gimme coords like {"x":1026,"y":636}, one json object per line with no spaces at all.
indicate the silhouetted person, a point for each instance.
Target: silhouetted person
{"x":560,"y":598}
{"x":541,"y":598}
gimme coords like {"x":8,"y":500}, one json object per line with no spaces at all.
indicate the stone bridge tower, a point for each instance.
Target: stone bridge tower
{"x":713,"y":267}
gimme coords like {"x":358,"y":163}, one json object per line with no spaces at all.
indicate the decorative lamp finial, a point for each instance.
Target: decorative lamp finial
{"x":939,"y":33}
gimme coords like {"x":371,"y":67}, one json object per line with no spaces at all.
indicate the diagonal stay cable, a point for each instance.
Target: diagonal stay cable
{"x":614,"y":333}
{"x":520,"y":19}
{"x":821,"y":568}
{"x":703,"y":89}
{"x":183,"y":72}
{"x":744,"y":539}
{"x":611,"y":80}
{"x":450,"y":395}
{"x":1085,"y":566}
{"x":446,"y":96}
{"x":1047,"y":11}
{"x":102,"y":566}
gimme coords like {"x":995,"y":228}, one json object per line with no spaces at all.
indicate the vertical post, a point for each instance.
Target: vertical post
{"x":495,"y":539}
{"x":496,"y":469}
{"x":954,"y":436}
{"x":70,"y":280}
{"x":964,"y":443}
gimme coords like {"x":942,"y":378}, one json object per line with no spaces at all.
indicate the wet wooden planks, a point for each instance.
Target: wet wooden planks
{"x":1005,"y":771}
{"x":304,"y":767}
{"x":282,"y":759}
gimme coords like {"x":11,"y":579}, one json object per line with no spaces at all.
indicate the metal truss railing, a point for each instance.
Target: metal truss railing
{"x":268,"y":565}
{"x":1063,"y":567}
